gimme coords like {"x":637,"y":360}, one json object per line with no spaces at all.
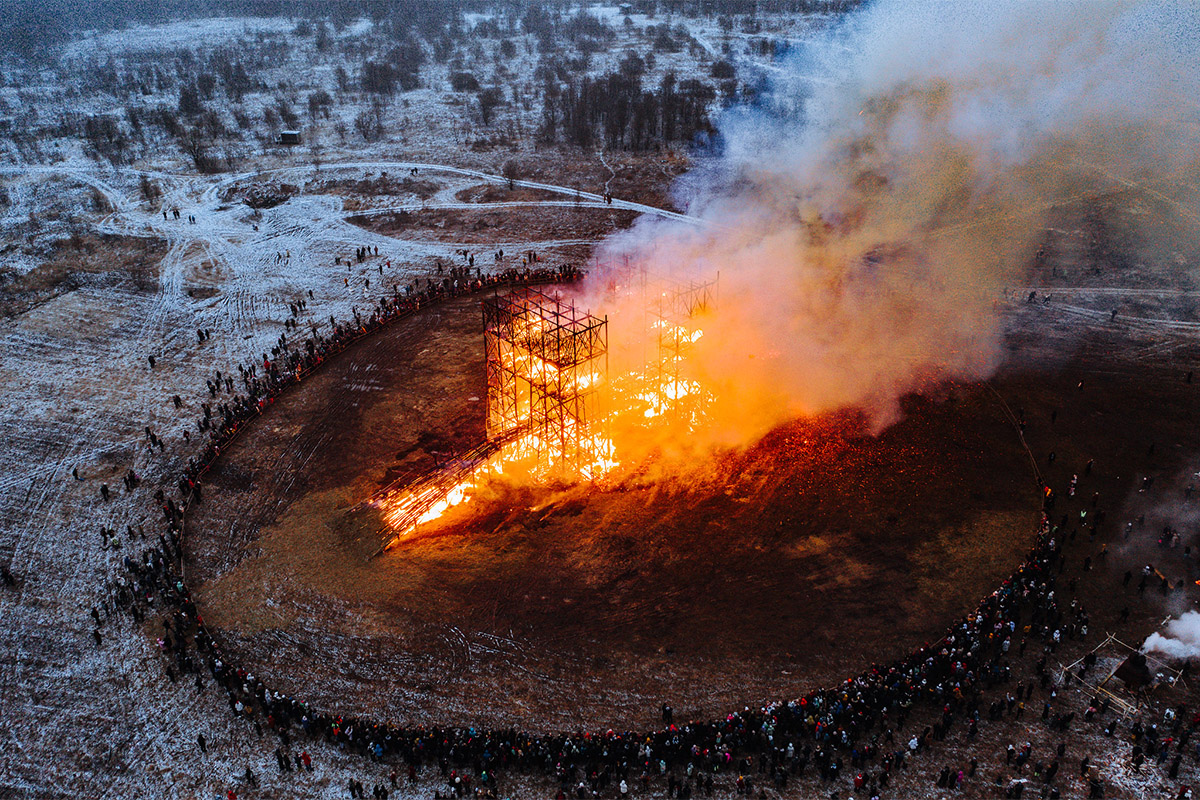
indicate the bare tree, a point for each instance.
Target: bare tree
{"x":369,"y":122}
{"x":196,"y":144}
{"x":512,"y":171}
{"x":488,"y":100}
{"x":151,"y":191}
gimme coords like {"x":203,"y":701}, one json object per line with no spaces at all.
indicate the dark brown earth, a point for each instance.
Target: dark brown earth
{"x":499,"y":193}
{"x":816,"y":551}
{"x":486,"y":225}
{"x":70,"y":261}
{"x":640,"y":177}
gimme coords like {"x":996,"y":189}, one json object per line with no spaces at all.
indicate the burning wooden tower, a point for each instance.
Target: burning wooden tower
{"x":673,"y":308}
{"x":547,"y":361}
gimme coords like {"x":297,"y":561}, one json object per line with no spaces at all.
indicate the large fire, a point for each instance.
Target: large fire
{"x":552,"y":416}
{"x":667,"y":393}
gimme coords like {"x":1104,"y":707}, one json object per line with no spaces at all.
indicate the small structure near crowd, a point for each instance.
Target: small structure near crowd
{"x":1133,"y":671}
{"x":1129,"y":675}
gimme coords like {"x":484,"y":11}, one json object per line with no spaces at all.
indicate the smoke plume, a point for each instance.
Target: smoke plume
{"x":867,"y":218}
{"x":1181,"y":641}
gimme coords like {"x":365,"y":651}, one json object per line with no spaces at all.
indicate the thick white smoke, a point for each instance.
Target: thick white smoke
{"x":1182,"y":639}
{"x":866,"y":226}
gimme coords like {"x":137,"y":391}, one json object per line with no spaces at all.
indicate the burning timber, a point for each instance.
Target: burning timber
{"x":546,"y":364}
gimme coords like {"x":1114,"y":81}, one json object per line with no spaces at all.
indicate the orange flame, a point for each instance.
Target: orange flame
{"x":635,"y":398}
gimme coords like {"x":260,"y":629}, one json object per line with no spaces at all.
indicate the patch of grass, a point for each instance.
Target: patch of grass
{"x":78,"y":255}
{"x":950,"y":568}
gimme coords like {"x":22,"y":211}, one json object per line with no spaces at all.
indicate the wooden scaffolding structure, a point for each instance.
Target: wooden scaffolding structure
{"x":546,"y":363}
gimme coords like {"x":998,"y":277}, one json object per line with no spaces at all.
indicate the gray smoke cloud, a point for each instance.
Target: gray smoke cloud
{"x":1182,"y":638}
{"x":865,"y":225}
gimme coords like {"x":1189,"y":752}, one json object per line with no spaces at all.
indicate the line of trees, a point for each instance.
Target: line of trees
{"x":401,"y":68}
{"x":34,"y":29}
{"x":616,"y":111}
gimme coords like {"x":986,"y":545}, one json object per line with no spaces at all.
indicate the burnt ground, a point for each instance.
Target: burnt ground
{"x":825,"y":549}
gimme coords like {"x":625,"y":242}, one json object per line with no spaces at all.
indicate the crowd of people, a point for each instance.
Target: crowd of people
{"x":852,"y":728}
{"x":848,"y":731}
